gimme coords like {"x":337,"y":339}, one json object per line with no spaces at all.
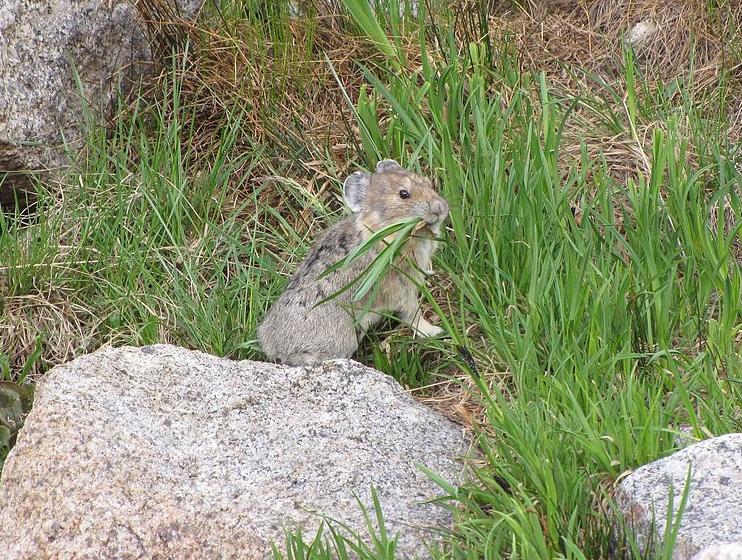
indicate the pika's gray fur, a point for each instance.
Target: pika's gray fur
{"x":294,"y":332}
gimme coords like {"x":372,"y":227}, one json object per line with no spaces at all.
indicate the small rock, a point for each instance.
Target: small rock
{"x":161,"y":452}
{"x":713,"y":513}
{"x":640,"y":34}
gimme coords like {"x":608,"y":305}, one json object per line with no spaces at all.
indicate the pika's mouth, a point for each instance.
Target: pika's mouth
{"x":437,"y":212}
{"x":436,"y":218}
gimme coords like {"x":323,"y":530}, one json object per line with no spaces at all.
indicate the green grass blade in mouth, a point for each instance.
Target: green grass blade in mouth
{"x":375,"y":271}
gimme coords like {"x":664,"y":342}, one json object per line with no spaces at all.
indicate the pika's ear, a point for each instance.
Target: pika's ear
{"x":355,"y":189}
{"x":388,"y":165}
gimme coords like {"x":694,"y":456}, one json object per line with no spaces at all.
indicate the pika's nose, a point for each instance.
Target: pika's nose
{"x":438,"y":210}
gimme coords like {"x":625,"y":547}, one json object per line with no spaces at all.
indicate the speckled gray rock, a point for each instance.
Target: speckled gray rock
{"x":728,"y":551}
{"x":42,"y":44}
{"x":162,"y":452}
{"x":713,"y":514}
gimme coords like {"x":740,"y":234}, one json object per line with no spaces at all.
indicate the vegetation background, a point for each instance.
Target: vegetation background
{"x":589,"y":282}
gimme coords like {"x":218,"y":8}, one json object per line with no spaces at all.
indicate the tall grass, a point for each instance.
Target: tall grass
{"x":615,"y":328}
{"x":147,"y":238}
{"x":594,"y":312}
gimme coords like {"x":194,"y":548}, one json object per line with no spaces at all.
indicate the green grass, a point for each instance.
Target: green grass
{"x":600,"y":313}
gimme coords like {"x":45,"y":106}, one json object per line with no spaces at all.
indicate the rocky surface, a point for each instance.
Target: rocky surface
{"x":713,"y":513}
{"x":161,"y":452}
{"x":42,"y":45}
{"x":728,"y":551}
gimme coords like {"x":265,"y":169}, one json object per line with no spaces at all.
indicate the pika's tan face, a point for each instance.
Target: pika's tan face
{"x":392,"y":194}
{"x":397,"y":195}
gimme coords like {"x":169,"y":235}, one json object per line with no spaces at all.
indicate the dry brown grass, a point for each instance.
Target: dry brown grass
{"x":579,"y":44}
{"x":458,"y":397}
{"x":64,"y":330}
{"x":590,"y":34}
{"x":290,"y":98}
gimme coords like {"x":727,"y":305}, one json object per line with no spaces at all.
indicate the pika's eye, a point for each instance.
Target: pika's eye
{"x":404,"y":194}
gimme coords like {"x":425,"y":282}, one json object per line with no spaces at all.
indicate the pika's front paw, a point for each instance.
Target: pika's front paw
{"x":425,"y":329}
{"x":433,"y":330}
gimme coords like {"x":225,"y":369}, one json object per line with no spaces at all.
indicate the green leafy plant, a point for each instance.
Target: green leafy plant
{"x":16,"y":400}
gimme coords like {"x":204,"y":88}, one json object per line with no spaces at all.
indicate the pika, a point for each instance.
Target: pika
{"x":296,"y":331}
